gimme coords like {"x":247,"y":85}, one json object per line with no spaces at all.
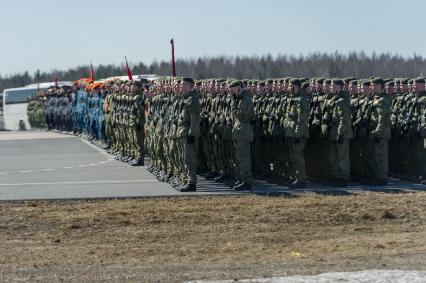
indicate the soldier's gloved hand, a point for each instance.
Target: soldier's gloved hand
{"x":190,"y":139}
{"x":296,"y":140}
{"x":339,"y":139}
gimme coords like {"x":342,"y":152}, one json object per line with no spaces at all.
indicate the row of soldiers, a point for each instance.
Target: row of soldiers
{"x":176,"y":133}
{"x":330,"y":130}
{"x":51,"y":109}
{"x":109,"y":114}
{"x":284,"y":130}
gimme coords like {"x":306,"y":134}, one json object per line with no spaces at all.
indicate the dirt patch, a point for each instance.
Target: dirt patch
{"x":182,"y":238}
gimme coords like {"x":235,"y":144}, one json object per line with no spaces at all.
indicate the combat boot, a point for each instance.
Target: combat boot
{"x":188,"y":188}
{"x":298,"y":185}
{"x":242,"y":187}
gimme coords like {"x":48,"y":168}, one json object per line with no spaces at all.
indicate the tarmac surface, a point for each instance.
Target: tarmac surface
{"x":47,"y":165}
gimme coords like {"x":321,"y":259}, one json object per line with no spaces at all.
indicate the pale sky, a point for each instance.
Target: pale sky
{"x":48,"y":34}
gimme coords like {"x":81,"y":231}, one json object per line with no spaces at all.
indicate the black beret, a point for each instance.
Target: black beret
{"x":188,"y":80}
{"x":338,"y":82}
{"x":353,"y":82}
{"x":270,"y":81}
{"x":366,"y":82}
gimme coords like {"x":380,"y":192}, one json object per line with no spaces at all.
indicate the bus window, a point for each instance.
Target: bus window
{"x":18,"y":96}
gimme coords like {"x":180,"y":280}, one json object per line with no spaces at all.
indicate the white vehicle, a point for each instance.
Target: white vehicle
{"x":15,"y":104}
{"x":1,"y":112}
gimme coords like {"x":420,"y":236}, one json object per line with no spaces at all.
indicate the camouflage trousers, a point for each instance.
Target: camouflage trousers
{"x":243,"y":161}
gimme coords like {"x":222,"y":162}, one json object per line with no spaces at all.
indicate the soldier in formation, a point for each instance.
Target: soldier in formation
{"x":286,"y":131}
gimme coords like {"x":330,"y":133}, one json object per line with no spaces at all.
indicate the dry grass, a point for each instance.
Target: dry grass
{"x":172,"y":239}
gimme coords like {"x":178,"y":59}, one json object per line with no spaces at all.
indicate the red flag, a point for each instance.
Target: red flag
{"x":129,"y":72}
{"x":173,"y":58}
{"x":92,"y":73}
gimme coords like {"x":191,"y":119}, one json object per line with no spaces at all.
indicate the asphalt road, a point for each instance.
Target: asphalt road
{"x":46,"y":165}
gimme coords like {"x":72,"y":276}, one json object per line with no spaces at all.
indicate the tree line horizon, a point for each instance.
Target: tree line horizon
{"x":329,"y":65}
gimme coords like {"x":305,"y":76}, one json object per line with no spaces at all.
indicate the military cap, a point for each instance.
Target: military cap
{"x":390,"y":83}
{"x":261,"y":83}
{"x":348,"y":79}
{"x":270,"y":81}
{"x":419,"y":80}
{"x":353,"y":82}
{"x":327,"y":81}
{"x":305,"y":85}
{"x":295,"y":82}
{"x":320,"y":80}
{"x":410,"y":81}
{"x":338,"y":82}
{"x":378,"y":81}
{"x":235,"y":83}
{"x":198,"y":83}
{"x":188,"y":80}
{"x":255,"y":82}
{"x":137,"y":83}
{"x":281,"y":81}
{"x":404,"y":81}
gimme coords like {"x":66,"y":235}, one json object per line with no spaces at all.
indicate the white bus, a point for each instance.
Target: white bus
{"x":1,"y":112}
{"x":15,"y":104}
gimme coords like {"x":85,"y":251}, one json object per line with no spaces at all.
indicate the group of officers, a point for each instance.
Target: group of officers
{"x":285,"y":130}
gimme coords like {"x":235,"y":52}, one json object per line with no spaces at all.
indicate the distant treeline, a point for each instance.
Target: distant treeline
{"x":356,"y":64}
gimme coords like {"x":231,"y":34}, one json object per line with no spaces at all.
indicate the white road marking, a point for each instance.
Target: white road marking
{"x":79,"y":183}
{"x":48,"y":169}
{"x":67,"y":167}
{"x":3,"y":173}
{"x":26,"y":171}
{"x":92,"y":164}
{"x":81,"y":166}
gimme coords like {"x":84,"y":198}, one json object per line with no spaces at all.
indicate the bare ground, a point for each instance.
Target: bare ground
{"x":214,"y":237}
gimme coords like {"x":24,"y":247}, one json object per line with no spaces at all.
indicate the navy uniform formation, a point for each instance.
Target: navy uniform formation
{"x":286,"y":131}
{"x":51,"y":109}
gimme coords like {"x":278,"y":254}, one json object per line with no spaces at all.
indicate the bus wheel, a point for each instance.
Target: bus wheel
{"x":22,"y":126}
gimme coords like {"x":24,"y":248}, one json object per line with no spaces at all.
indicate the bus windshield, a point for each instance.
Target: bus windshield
{"x":18,"y":96}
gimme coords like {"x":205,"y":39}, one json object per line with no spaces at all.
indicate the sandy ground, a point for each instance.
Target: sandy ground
{"x":210,"y":237}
